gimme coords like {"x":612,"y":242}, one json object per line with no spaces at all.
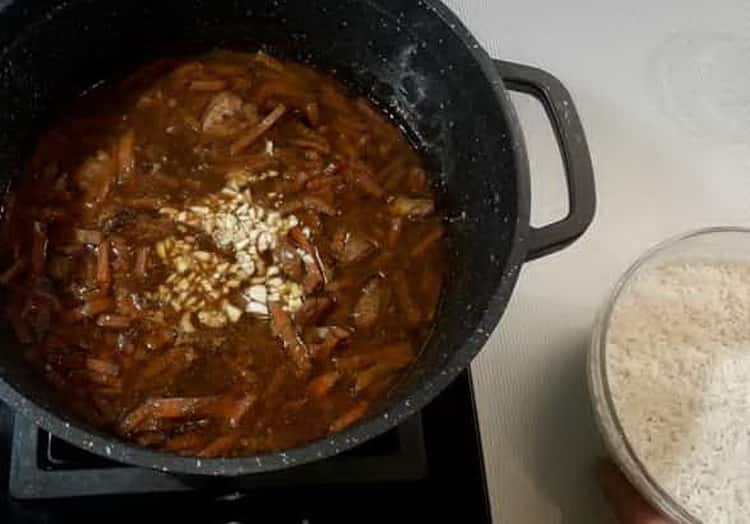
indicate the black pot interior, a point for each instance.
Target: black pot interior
{"x":400,"y":54}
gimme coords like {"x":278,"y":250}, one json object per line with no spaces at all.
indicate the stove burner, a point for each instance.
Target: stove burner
{"x":430,"y":467}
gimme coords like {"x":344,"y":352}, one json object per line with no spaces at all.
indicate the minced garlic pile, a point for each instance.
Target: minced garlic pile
{"x":219,"y":289}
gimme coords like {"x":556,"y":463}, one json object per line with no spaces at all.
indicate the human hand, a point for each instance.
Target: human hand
{"x":628,"y":504}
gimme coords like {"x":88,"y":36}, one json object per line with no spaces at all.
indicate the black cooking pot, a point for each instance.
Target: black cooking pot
{"x":415,"y":60}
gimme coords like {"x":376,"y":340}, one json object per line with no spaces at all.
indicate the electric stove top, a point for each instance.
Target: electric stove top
{"x":429,"y":468}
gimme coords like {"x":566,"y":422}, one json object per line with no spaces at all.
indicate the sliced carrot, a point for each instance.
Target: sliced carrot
{"x":362,"y":176}
{"x":322,"y":384}
{"x":283,"y":328}
{"x":103,"y":274}
{"x":104,"y":367}
{"x":192,"y":441}
{"x":126,"y":155}
{"x":207,"y":85}
{"x":427,"y":241}
{"x":38,"y":248}
{"x":312,"y":112}
{"x":141,"y":261}
{"x":95,"y":305}
{"x":321,"y":146}
{"x":113,"y":321}
{"x":404,"y":298}
{"x":350,"y":417}
{"x":250,"y":137}
{"x":220,"y":445}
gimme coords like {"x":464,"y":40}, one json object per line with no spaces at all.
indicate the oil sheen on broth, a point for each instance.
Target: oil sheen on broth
{"x":222,"y":256}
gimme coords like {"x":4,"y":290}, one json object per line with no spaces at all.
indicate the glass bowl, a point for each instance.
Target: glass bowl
{"x":720,"y":243}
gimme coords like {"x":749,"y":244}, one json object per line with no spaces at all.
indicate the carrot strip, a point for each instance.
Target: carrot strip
{"x":320,"y":146}
{"x":350,"y":417}
{"x":427,"y":242}
{"x":38,"y":248}
{"x":369,"y":376}
{"x":312,"y":111}
{"x":404,"y":298}
{"x":126,"y":155}
{"x":313,"y":264}
{"x":113,"y":321}
{"x":231,"y":409}
{"x":95,"y":305}
{"x":283,"y":328}
{"x":141,"y":260}
{"x":191,"y":441}
{"x":207,"y":86}
{"x":397,"y":355}
{"x":364,"y":179}
{"x":269,"y":62}
{"x":103,"y":275}
{"x":104,"y":367}
{"x":250,"y":137}
{"x":220,"y":445}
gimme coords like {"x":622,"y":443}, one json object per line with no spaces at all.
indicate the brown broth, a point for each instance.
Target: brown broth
{"x":127,"y":196}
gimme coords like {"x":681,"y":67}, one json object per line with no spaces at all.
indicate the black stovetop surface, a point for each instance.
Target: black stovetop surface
{"x":430,"y":468}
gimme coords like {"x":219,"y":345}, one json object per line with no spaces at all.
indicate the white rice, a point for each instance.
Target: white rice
{"x":678,"y":365}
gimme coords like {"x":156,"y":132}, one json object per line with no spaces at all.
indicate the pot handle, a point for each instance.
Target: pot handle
{"x":579,"y":172}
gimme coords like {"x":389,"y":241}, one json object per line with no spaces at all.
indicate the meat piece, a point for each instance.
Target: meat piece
{"x":350,"y":247}
{"x":95,"y":177}
{"x":221,"y":111}
{"x":289,"y":261}
{"x":310,"y":202}
{"x":313,"y":309}
{"x":371,"y":304}
{"x":164,"y":367}
{"x":332,"y":337}
{"x":283,"y":329}
{"x":411,"y":207}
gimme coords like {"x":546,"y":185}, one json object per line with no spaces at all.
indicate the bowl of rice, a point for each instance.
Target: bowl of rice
{"x":669,"y":376}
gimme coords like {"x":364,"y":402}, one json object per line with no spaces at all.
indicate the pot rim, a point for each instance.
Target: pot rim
{"x":112,"y":448}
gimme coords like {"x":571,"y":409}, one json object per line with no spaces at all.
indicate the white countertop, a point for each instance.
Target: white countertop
{"x":663,"y":90}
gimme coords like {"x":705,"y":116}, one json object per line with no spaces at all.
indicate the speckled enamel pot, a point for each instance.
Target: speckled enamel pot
{"x":416,"y":61}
